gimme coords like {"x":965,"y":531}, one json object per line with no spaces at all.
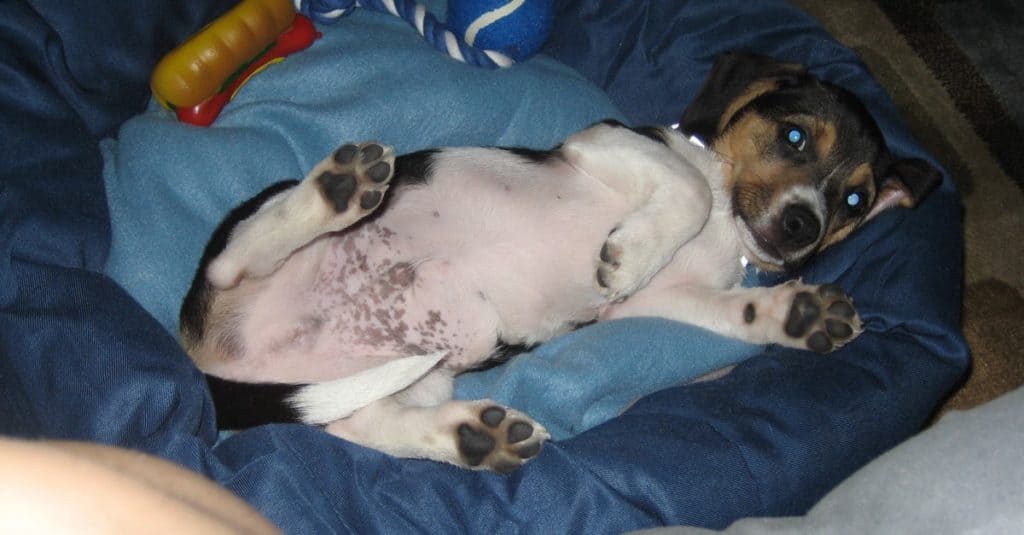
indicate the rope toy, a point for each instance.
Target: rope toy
{"x":484,"y":33}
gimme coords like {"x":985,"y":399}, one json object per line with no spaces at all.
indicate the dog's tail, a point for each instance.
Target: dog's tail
{"x":241,"y":405}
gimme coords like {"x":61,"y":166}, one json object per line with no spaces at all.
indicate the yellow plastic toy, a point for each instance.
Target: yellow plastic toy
{"x":214,"y":62}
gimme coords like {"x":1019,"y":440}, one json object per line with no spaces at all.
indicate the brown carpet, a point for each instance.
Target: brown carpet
{"x":948,"y":98}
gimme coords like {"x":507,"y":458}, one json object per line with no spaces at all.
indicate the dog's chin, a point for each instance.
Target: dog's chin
{"x":757,"y":250}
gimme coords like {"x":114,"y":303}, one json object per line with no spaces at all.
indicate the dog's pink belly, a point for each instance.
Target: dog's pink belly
{"x":516,"y":264}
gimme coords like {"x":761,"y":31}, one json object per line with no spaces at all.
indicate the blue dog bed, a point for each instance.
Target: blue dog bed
{"x":96,"y":245}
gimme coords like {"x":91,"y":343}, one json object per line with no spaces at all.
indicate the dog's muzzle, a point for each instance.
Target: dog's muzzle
{"x":799,"y":227}
{"x":784,"y":239}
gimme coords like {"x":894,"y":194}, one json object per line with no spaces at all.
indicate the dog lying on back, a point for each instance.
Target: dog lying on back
{"x":351,"y":298}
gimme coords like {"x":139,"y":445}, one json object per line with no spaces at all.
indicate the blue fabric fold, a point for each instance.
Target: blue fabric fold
{"x":589,"y":376}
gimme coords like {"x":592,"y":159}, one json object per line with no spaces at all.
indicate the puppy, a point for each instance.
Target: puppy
{"x":351,"y":298}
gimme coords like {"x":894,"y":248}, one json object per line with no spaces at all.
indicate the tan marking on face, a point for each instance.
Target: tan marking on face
{"x":745,"y":145}
{"x":824,"y":136}
{"x":755,"y":90}
{"x":838,"y":234}
{"x":861,"y":178}
{"x":742,"y":146}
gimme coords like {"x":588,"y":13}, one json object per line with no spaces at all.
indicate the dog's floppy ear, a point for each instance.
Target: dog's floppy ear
{"x":904,"y":183}
{"x":736,"y":79}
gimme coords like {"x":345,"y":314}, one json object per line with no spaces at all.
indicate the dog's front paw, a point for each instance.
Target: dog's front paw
{"x":339,"y":191}
{"x":627,"y":261}
{"x":498,"y":438}
{"x":354,"y":178}
{"x":821,"y":318}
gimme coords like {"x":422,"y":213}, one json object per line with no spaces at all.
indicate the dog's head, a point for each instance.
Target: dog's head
{"x":806,"y":163}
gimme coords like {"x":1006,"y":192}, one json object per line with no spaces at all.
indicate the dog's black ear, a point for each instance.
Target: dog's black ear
{"x":904,"y":183}
{"x":734,"y":81}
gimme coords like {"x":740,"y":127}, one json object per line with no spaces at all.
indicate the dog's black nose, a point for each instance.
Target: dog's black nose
{"x":800,"y":227}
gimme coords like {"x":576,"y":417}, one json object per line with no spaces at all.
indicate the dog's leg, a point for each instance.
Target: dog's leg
{"x":423,"y":422}
{"x":339,"y":191}
{"x":794,"y":314}
{"x":669,"y":195}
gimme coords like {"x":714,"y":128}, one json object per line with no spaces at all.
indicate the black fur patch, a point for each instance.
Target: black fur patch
{"x":533,"y":155}
{"x":414,"y":168}
{"x":244,"y":405}
{"x":502,"y":353}
{"x":613,"y":122}
{"x":653,"y":133}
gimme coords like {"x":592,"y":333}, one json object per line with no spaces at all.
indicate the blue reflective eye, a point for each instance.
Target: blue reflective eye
{"x":854,"y":199}
{"x":796,"y":138}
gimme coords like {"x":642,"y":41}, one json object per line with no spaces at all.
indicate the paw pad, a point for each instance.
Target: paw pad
{"x":499,"y":439}
{"x":356,"y":176}
{"x":824,"y":317}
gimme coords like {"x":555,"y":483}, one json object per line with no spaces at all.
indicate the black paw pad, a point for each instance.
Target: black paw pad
{"x":337,"y":188}
{"x":803,"y":314}
{"x":529,"y":451}
{"x":379,"y":172}
{"x":346,"y":154}
{"x":474,"y":445}
{"x":831,"y":291}
{"x":842,"y":309}
{"x":370,"y":199}
{"x":372,"y":152}
{"x":499,"y":439}
{"x":838,"y":329}
{"x":819,"y":342}
{"x":519,"y":432}
{"x":492,"y":416}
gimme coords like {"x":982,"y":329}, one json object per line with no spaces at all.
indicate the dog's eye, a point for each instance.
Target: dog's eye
{"x":856,"y":201}
{"x":795,"y":136}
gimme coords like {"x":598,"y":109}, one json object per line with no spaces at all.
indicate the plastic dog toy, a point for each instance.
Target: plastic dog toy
{"x":199,"y":77}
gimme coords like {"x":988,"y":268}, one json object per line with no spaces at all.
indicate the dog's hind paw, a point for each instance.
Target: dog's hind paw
{"x":821,"y":318}
{"x":498,"y":438}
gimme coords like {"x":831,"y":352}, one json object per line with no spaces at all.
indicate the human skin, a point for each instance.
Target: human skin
{"x":79,"y":487}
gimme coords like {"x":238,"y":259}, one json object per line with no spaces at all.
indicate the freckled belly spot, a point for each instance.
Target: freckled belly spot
{"x":376,"y":304}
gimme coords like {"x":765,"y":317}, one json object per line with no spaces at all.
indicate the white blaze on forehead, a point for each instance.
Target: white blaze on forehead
{"x":805,"y":195}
